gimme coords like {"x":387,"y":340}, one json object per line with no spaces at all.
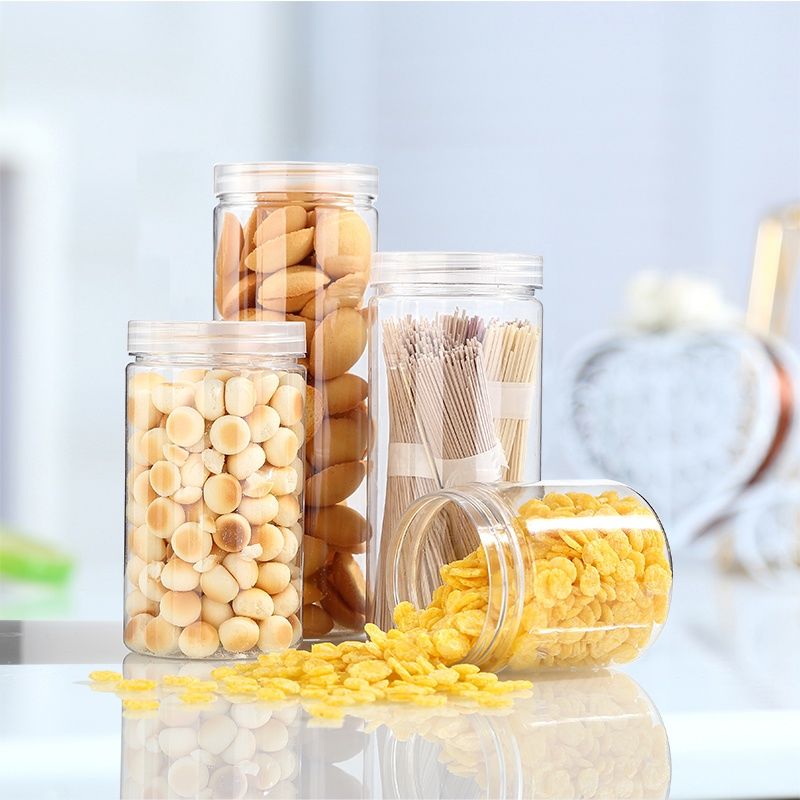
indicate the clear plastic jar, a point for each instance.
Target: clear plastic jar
{"x":294,"y":241}
{"x":531,"y":576}
{"x":455,"y":383}
{"x":214,"y":488}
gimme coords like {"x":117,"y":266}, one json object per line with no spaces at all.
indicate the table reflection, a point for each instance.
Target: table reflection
{"x":571,"y":737}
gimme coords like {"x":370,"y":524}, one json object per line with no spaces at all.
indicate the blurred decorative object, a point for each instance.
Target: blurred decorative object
{"x":690,"y":405}
{"x":657,"y":301}
{"x":32,"y":561}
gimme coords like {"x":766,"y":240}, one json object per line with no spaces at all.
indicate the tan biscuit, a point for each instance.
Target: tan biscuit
{"x":316,"y":621}
{"x":341,"y":612}
{"x":245,"y":570}
{"x":190,"y":542}
{"x":151,"y":446}
{"x":339,"y":439}
{"x":259,"y":484}
{"x":229,"y":434}
{"x":240,"y":396}
{"x":281,"y":252}
{"x":243,"y":465}
{"x":273,"y":577}
{"x":282,"y":220}
{"x":281,"y":448}
{"x":213,"y":460}
{"x":161,"y":636}
{"x":187,"y":495}
{"x":198,"y":640}
{"x":347,"y":578}
{"x":228,"y":258}
{"x":287,"y":305}
{"x":222,"y":493}
{"x":219,"y":584}
{"x":310,"y":326}
{"x":240,"y":297}
{"x":288,"y":402}
{"x":145,"y":380}
{"x":176,"y":455}
{"x":232,"y":533}
{"x":260,"y":315}
{"x":263,"y":421}
{"x":214,"y":612}
{"x":266,"y":382}
{"x":142,"y":414}
{"x":163,"y":516}
{"x":194,"y":472}
{"x":169,"y":396}
{"x":288,"y":510}
{"x":338,"y":343}
{"x":334,"y":484}
{"x":143,"y":493}
{"x":339,"y":526}
{"x":209,"y":398}
{"x":136,"y":602}
{"x":258,"y":510}
{"x":146,"y":545}
{"x":270,"y":538}
{"x":253,"y":603}
{"x":291,"y":544}
{"x":239,"y":634}
{"x":191,"y":375}
{"x":185,"y":426}
{"x":179,"y":575}
{"x":202,"y":444}
{"x":275,"y":633}
{"x":286,"y":602}
{"x":311,"y":593}
{"x":347,"y":292}
{"x":344,"y":393}
{"x":257,"y":216}
{"x":315,"y":553}
{"x":165,"y":478}
{"x":135,"y":562}
{"x":134,"y":632}
{"x":314,"y":410}
{"x":180,"y":608}
{"x":291,"y":282}
{"x":342,"y":233}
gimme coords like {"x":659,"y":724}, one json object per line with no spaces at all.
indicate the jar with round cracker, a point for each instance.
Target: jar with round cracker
{"x":294,"y":241}
{"x":214,"y":488}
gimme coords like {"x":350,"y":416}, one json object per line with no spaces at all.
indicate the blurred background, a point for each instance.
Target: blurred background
{"x":610,"y":138}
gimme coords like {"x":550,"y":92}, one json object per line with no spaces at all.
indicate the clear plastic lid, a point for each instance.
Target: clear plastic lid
{"x":197,"y":338}
{"x":296,"y":176}
{"x":476,"y":269}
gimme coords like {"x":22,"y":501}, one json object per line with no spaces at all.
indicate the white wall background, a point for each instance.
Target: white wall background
{"x":605,"y":137}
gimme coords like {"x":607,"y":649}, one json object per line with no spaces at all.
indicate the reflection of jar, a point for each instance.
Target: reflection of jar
{"x":294,"y":241}
{"x":455,"y":382}
{"x":537,"y":575}
{"x":214,"y":488}
{"x":599,"y":736}
{"x":219,"y":750}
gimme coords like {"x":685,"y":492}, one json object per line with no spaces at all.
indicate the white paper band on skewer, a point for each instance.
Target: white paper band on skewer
{"x":511,"y":400}
{"x":411,"y":460}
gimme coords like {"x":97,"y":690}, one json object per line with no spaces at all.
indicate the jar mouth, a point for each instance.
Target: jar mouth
{"x":314,"y":177}
{"x":217,"y":337}
{"x":447,"y":526}
{"x":473,"y":269}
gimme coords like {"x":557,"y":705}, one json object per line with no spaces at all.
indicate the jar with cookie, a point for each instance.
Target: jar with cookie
{"x":214,"y":488}
{"x":294,"y":241}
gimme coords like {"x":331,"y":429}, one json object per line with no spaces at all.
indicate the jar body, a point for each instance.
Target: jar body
{"x":214,"y":488}
{"x":445,"y":416}
{"x":305,"y":256}
{"x":533,"y":576}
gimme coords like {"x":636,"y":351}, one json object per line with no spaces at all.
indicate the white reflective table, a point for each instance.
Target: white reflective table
{"x":712,"y":711}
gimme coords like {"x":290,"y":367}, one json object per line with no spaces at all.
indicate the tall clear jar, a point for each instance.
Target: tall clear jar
{"x":533,"y":576}
{"x":294,"y":241}
{"x":455,"y":383}
{"x":214,"y":488}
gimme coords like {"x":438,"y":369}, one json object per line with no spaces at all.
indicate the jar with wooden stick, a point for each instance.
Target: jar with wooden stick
{"x":455,"y":386}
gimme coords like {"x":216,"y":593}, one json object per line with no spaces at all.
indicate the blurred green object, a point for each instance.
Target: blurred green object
{"x":29,"y":560}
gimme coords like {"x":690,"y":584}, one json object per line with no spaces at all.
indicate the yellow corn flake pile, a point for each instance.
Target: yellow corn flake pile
{"x":592,"y":596}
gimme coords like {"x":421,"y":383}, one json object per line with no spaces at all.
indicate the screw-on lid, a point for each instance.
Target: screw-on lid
{"x":296,"y":176}
{"x":235,"y":338}
{"x":472,"y":269}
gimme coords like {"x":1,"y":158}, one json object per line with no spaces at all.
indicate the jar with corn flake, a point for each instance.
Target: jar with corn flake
{"x":214,"y":488}
{"x":294,"y":241}
{"x":530,"y":576}
{"x":455,"y":383}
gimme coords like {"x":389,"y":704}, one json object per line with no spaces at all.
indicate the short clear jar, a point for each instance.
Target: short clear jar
{"x":294,"y":241}
{"x":214,"y":488}
{"x":455,"y":354}
{"x":533,"y":576}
